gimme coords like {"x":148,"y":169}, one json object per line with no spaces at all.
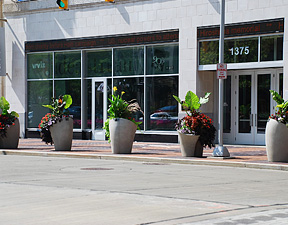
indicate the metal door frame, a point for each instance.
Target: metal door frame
{"x":256,"y":139}
{"x":98,"y":134}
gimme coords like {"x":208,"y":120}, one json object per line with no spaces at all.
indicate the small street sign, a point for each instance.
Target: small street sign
{"x":221,"y":71}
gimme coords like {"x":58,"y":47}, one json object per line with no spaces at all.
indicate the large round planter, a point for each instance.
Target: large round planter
{"x":188,"y":144}
{"x":122,"y":133}
{"x":62,"y":134}
{"x":276,"y":135}
{"x":11,"y":139}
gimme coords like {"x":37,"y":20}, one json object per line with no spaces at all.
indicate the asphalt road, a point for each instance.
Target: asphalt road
{"x":60,"y":191}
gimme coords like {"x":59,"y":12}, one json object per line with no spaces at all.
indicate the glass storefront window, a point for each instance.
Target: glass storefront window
{"x":271,"y":48}
{"x":40,"y":65}
{"x":241,"y":50}
{"x":99,"y":63}
{"x":208,"y":52}
{"x":39,"y":93}
{"x":73,"y":88}
{"x":128,"y":61}
{"x":162,"y":59}
{"x":134,"y":89}
{"x":235,"y":51}
{"x":67,"y":64}
{"x":161,"y":108}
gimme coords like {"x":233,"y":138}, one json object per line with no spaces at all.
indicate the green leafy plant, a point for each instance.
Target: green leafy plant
{"x":281,"y":114}
{"x":6,"y":119}
{"x":119,"y":108}
{"x":59,"y":107}
{"x":192,"y":101}
{"x":194,"y":122}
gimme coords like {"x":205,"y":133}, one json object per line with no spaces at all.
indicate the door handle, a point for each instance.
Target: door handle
{"x":251,"y":120}
{"x":256,"y":124}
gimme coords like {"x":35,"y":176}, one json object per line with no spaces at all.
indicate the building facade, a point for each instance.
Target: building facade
{"x":152,"y":50}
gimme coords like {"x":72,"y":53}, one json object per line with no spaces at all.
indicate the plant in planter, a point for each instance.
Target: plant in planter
{"x":276,"y":133}
{"x":57,"y":127}
{"x":196,"y":130}
{"x":120,"y":127}
{"x":9,"y":126}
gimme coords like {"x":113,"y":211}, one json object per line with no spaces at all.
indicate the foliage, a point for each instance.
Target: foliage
{"x":6,"y":119}
{"x":282,"y":114}
{"x":194,"y":122}
{"x":59,"y":105}
{"x":59,"y":110}
{"x":192,"y":101}
{"x":119,"y":108}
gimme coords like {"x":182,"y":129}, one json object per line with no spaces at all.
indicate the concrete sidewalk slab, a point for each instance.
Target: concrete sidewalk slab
{"x":241,"y":156}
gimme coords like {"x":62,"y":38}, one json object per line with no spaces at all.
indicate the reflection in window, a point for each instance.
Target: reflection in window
{"x":263,"y":101}
{"x":162,"y":59}
{"x":39,"y":93}
{"x":134,"y":89}
{"x":67,"y":64}
{"x":39,"y":66}
{"x":281,"y":84}
{"x":73,"y":88}
{"x":227,"y":105}
{"x":99,"y":63}
{"x":208,"y":52}
{"x":161,"y":108}
{"x":244,"y":103}
{"x":272,"y":48}
{"x":241,"y":50}
{"x":128,"y":61}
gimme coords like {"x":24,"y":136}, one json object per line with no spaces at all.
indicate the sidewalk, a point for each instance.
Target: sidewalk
{"x":152,"y":152}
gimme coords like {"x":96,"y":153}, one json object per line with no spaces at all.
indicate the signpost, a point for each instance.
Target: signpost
{"x":220,"y":150}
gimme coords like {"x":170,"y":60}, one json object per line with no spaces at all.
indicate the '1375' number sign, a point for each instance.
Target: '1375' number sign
{"x":239,"y":50}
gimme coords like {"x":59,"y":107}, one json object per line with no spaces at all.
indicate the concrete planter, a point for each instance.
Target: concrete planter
{"x":276,"y":135}
{"x":188,"y":143}
{"x":62,"y":134}
{"x":11,"y":139}
{"x":122,"y":133}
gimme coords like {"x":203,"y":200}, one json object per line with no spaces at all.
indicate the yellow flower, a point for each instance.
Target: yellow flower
{"x":123,"y":92}
{"x":114,"y":88}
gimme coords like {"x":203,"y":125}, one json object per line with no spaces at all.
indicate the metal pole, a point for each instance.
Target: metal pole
{"x":220,"y":150}
{"x":2,"y":51}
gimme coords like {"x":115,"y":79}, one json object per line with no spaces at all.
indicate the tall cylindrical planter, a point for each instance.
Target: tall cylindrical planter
{"x":188,"y":144}
{"x":276,"y":135}
{"x":62,"y":134}
{"x":11,"y":139}
{"x":122,"y":133}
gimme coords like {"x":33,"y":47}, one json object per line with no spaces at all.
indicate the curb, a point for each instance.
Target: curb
{"x":189,"y":161}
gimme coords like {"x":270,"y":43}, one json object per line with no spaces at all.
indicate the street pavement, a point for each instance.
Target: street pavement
{"x":77,"y":190}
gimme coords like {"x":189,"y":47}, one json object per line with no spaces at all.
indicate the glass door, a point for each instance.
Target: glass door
{"x":99,"y":107}
{"x":248,"y":104}
{"x":228,"y":110}
{"x":263,"y":104}
{"x":244,"y":108}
